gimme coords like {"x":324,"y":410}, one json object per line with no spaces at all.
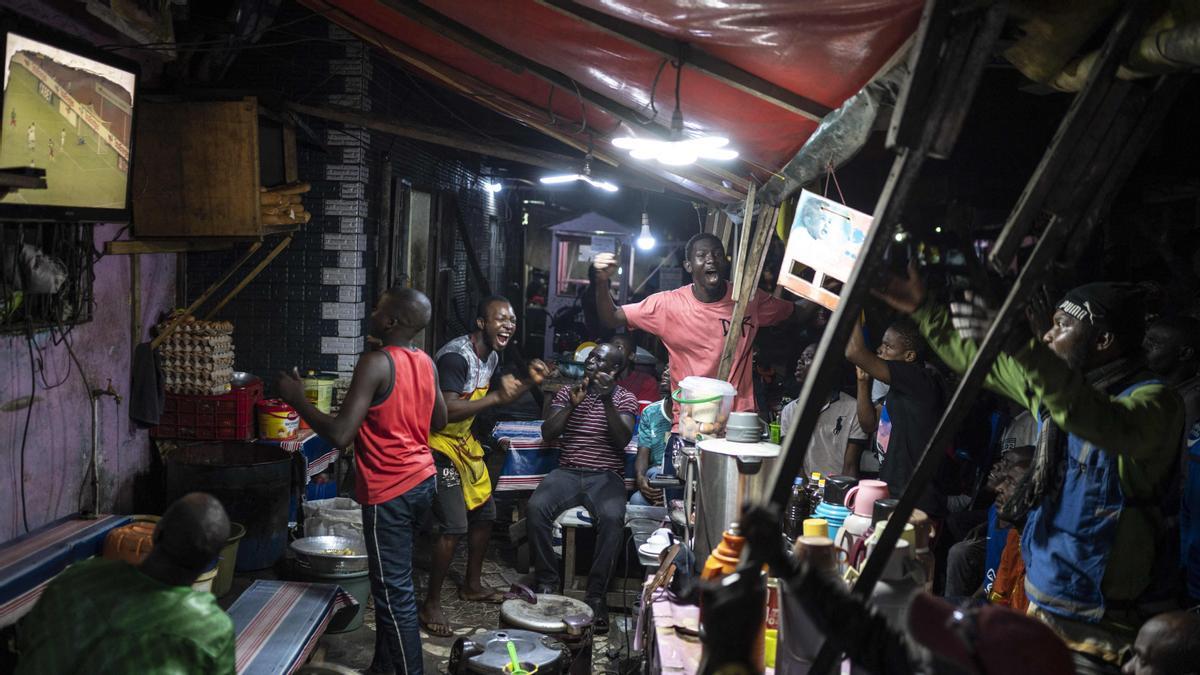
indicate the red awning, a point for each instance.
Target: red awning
{"x":822,"y":50}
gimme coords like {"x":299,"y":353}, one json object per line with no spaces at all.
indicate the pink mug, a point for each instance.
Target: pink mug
{"x":871,"y":490}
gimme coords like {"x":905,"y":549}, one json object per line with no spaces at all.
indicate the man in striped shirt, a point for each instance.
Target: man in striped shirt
{"x":592,"y":423}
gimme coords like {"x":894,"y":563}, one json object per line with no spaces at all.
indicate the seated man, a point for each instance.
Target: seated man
{"x":592,"y":423}
{"x":107,"y":616}
{"x":653,"y":429}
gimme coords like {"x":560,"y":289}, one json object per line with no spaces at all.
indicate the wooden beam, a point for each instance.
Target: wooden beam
{"x":171,"y":245}
{"x":249,"y":277}
{"x":212,"y":288}
{"x":745,"y":286}
{"x":438,"y":136}
{"x":694,"y":58}
{"x":519,"y":110}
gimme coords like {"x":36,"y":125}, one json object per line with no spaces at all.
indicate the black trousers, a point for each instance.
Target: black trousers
{"x":602,"y":493}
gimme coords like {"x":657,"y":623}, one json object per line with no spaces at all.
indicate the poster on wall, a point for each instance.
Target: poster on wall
{"x":822,"y":247}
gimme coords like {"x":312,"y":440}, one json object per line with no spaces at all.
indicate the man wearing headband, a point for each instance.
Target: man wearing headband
{"x":1108,"y":443}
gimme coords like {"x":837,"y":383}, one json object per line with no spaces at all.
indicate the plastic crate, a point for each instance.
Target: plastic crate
{"x":227,"y":417}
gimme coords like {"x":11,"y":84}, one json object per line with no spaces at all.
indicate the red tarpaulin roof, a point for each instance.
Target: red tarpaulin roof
{"x":823,"y":50}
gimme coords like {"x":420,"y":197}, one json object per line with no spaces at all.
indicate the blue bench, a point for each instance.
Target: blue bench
{"x":278,"y":623}
{"x":30,"y":561}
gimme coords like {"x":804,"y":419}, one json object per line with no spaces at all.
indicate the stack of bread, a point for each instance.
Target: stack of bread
{"x":197,"y":358}
{"x":281,"y":205}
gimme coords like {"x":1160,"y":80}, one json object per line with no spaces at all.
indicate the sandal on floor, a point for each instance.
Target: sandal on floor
{"x":436,"y":629}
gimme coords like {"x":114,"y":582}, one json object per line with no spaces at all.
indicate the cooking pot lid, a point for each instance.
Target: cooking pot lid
{"x":488,"y":651}
{"x":723,"y":446}
{"x":546,"y":616}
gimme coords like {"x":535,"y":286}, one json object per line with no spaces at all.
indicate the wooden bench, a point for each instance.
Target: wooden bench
{"x":277,"y":624}
{"x":30,"y":561}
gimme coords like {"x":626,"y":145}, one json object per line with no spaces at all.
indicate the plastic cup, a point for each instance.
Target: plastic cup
{"x":775,"y":437}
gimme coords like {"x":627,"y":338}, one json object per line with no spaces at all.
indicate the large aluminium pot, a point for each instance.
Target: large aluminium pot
{"x":730,"y":473}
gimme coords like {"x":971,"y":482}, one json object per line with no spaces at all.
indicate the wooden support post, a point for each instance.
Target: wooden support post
{"x":746,"y":284}
{"x":250,"y":277}
{"x":204,"y":296}
{"x":739,"y":260}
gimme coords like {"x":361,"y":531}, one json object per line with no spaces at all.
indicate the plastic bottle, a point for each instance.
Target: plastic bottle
{"x":811,"y":491}
{"x":797,"y":509}
{"x":818,"y":495}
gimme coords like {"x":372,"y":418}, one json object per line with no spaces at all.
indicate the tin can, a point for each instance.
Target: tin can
{"x":772,"y":615}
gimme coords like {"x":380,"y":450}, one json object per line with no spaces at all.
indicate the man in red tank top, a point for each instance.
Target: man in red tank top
{"x":393,"y":402}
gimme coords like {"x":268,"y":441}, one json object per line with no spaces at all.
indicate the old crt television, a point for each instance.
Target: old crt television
{"x":69,"y":110}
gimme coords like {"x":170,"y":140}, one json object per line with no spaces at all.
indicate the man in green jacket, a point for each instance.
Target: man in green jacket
{"x":1109,"y":440}
{"x":107,"y":616}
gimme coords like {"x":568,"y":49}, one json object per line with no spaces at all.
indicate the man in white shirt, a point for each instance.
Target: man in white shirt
{"x":837,"y":441}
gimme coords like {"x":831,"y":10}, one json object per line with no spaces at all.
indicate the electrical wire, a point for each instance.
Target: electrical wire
{"x":28,"y":415}
{"x":653,"y":94}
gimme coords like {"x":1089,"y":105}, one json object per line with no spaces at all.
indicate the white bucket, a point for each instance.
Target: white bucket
{"x":704,"y":406}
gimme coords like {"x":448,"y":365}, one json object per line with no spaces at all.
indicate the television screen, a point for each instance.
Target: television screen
{"x":71,"y":115}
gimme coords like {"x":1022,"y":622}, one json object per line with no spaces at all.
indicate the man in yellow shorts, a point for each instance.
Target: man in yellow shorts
{"x":463,"y":504}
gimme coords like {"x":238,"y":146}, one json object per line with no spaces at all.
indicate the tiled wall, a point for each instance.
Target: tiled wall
{"x":307,"y":308}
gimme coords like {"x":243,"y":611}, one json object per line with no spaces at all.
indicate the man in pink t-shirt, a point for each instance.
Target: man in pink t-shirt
{"x":692,"y":321}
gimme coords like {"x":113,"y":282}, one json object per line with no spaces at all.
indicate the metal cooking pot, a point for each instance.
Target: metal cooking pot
{"x":317,"y":554}
{"x":725,"y":468}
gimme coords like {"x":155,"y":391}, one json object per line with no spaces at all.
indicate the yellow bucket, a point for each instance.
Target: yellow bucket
{"x":318,"y":388}
{"x":277,"y":420}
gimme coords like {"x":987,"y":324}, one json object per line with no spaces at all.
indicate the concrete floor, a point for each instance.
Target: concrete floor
{"x":355,"y":649}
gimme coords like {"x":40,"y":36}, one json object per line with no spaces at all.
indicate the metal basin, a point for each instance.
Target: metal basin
{"x":319,"y":554}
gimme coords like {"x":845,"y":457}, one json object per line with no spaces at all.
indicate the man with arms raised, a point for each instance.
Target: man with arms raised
{"x":463,"y":504}
{"x":692,"y":321}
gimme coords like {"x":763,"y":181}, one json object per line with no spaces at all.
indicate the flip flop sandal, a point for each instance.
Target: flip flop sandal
{"x":437,"y":629}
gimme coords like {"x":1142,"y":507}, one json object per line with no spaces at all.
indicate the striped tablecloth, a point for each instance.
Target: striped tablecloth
{"x":318,"y":452}
{"x":278,"y":623}
{"x":528,"y":458}
{"x":30,"y":561}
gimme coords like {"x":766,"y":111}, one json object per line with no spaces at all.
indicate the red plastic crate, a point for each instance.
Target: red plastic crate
{"x":228,"y":417}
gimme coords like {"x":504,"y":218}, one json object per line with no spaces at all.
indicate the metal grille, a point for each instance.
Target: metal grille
{"x":68,"y":245}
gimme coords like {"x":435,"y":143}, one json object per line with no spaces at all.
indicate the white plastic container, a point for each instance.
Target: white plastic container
{"x":704,"y":406}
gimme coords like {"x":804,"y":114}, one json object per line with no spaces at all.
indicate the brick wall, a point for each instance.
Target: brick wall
{"x":308,"y":307}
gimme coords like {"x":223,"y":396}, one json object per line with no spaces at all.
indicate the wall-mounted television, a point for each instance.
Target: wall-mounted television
{"x":68,"y":109}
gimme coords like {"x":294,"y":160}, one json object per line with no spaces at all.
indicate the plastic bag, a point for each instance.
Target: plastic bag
{"x":340,"y":516}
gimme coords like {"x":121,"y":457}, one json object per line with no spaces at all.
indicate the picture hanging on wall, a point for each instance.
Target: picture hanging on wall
{"x":822,"y":246}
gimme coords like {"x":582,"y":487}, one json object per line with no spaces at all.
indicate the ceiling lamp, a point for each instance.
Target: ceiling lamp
{"x":645,"y":240}
{"x":678,"y":150}
{"x":493,"y":186}
{"x":585,"y":176}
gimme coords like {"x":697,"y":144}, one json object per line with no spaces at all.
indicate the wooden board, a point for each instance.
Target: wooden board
{"x":196,"y":172}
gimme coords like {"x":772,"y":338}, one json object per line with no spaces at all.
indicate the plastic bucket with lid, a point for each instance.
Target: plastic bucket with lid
{"x":318,"y":389}
{"x":704,"y":406}
{"x":277,"y":420}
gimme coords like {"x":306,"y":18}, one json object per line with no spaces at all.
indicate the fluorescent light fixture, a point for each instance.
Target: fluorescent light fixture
{"x":681,"y":152}
{"x":677,"y":150}
{"x":645,"y":240}
{"x":585,"y":176}
{"x":493,"y":187}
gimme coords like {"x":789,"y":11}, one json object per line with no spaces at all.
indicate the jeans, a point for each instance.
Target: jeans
{"x":602,"y":493}
{"x":389,"y":529}
{"x":668,"y":494}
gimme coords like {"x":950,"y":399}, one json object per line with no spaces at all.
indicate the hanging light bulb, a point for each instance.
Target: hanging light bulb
{"x":493,"y":187}
{"x":645,"y":240}
{"x":678,"y":150}
{"x":585,"y":177}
